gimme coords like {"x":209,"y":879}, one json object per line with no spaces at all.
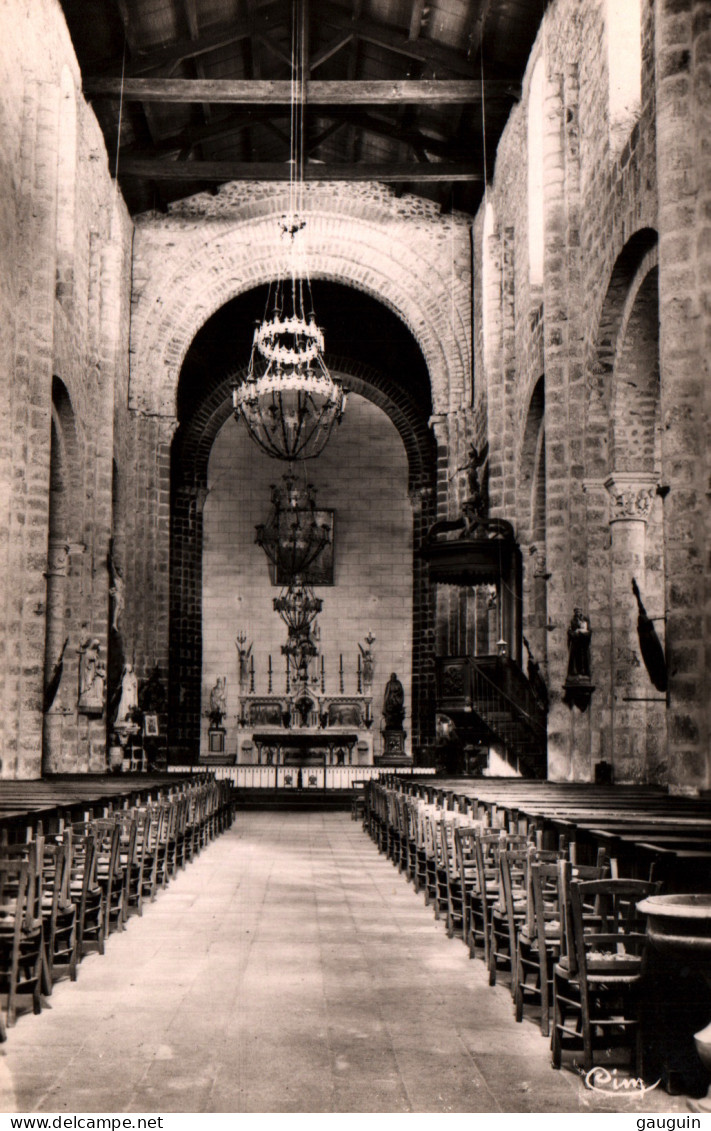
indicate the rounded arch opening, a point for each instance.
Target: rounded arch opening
{"x":59,"y":659}
{"x":532,"y":528}
{"x":360,"y":330}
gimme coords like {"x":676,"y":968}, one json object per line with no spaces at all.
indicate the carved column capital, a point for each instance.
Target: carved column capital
{"x":631,"y":495}
{"x":57,"y":557}
{"x":439,"y":423}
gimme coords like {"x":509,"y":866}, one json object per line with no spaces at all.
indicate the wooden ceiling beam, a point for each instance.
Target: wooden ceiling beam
{"x":361,"y":92}
{"x":332,"y":48}
{"x":418,"y":11}
{"x":423,"y":50}
{"x":275,"y":48}
{"x":341,"y":116}
{"x":174,"y":53}
{"x":156,"y":169}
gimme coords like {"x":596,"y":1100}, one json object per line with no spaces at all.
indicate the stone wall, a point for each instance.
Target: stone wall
{"x":65,"y":240}
{"x":617,"y":393}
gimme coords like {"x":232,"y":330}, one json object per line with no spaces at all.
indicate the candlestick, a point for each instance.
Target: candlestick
{"x":323,"y":676}
{"x":340,"y":672}
{"x":359,"y":673}
{"x":251,"y":675}
{"x":269,"y":675}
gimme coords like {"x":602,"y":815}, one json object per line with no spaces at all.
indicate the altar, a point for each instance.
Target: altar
{"x":306,"y":748}
{"x":305,"y":730}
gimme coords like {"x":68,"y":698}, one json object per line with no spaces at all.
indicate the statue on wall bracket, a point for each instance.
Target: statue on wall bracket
{"x":578,"y":686}
{"x":92,"y":678}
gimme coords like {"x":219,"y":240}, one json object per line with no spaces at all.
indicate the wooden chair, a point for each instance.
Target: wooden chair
{"x":358,"y":801}
{"x":465,"y":838}
{"x":59,"y":911}
{"x":148,"y":836}
{"x":596,"y":984}
{"x":449,"y":826}
{"x":484,"y":894}
{"x":131,"y":849}
{"x":509,"y":910}
{"x":84,"y":891}
{"x":421,"y":834}
{"x":21,"y":936}
{"x":110,"y":874}
{"x":431,"y":817}
{"x":541,"y":940}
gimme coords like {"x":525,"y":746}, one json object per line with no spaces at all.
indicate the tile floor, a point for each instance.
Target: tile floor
{"x":290,"y":968}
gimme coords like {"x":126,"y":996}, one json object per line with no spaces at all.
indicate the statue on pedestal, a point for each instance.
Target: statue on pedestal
{"x":393,"y":703}
{"x":92,"y":678}
{"x":218,"y":703}
{"x":128,"y":702}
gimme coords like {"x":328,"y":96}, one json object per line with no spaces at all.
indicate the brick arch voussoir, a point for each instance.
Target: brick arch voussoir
{"x":395,"y":277}
{"x":195,"y":444}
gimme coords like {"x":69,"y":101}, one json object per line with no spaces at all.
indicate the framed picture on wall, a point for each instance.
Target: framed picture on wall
{"x":150,"y":726}
{"x":320,"y":572}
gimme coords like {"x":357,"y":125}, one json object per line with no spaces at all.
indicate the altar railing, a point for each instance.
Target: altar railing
{"x":328,"y":777}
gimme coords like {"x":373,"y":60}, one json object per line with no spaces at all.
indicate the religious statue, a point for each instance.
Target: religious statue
{"x":92,"y":678}
{"x":243,"y":656}
{"x":579,"y":633}
{"x":116,"y":591}
{"x":393,"y":703}
{"x":477,"y":502}
{"x":367,"y":660}
{"x":128,"y":702}
{"x":218,"y":702}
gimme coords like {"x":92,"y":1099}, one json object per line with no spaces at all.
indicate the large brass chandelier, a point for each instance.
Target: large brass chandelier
{"x":292,"y":537}
{"x":289,"y":400}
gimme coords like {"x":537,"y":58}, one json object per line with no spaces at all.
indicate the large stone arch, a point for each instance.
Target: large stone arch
{"x":636,"y":260}
{"x":190,"y":457}
{"x":625,"y":514}
{"x":185,"y":269}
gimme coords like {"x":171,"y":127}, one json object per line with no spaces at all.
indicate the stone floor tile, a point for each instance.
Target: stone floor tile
{"x":289,"y":968}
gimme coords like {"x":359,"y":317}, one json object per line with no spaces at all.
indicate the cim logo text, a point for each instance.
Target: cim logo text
{"x":602,"y":1080}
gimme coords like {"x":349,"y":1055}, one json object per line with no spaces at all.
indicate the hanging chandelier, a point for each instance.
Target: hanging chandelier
{"x":292,"y":538}
{"x":298,"y":606}
{"x":289,"y":401}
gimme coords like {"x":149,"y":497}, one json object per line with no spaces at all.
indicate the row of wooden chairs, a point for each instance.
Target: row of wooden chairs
{"x":568,"y":937}
{"x":63,"y":893}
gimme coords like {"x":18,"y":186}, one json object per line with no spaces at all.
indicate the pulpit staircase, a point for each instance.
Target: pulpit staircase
{"x":491,"y":700}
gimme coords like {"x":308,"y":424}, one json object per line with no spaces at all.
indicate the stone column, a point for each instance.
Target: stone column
{"x":682,"y":82}
{"x":631,"y":499}
{"x":57,"y":566}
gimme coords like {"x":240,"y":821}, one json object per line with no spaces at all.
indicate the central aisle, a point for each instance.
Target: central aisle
{"x":288,"y":969}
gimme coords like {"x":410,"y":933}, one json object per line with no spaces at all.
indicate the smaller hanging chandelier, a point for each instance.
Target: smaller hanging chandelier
{"x":292,"y":538}
{"x":298,"y":607}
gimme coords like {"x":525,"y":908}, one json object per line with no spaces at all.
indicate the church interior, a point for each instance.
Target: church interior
{"x":356,"y":600}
